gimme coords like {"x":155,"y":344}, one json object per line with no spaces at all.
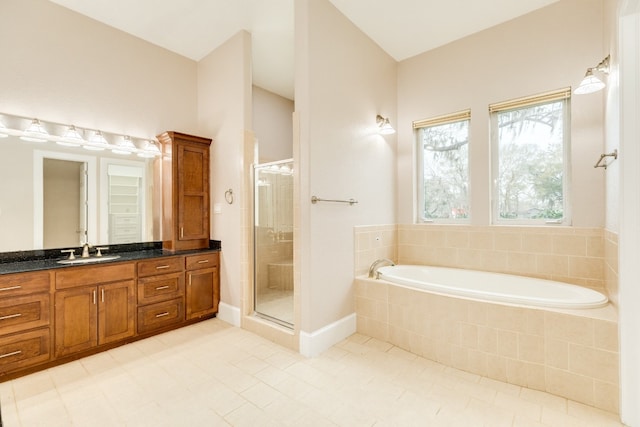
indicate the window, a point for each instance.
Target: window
{"x":530,"y":138}
{"x":443,"y":167}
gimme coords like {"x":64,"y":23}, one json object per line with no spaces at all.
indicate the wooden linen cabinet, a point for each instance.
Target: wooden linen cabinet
{"x":185,"y":191}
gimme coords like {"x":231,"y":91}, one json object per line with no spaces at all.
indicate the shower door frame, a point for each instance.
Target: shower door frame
{"x":255,"y":168}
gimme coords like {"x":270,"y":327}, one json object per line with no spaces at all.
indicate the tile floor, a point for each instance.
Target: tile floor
{"x":213,"y":374}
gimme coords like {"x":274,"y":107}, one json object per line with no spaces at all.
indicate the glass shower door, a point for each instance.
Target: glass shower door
{"x":273,"y":241}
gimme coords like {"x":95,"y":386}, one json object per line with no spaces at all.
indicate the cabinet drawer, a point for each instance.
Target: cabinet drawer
{"x":159,"y":266}
{"x":160,"y":288}
{"x":208,"y":260}
{"x":22,"y":313}
{"x":159,"y":315}
{"x":12,"y":285}
{"x":94,"y":274}
{"x":25,"y":349}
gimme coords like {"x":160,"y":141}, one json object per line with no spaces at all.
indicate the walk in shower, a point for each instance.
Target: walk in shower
{"x":273,"y":241}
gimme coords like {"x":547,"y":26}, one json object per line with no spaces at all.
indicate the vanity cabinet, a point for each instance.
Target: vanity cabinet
{"x":93,"y":308}
{"x":203,"y":286}
{"x":53,"y":316}
{"x":25,"y":331}
{"x":160,"y":293}
{"x":185,"y":186}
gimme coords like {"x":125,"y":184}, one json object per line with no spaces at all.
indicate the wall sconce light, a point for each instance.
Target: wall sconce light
{"x":71,"y":137}
{"x":97,"y":142}
{"x":149,"y":151}
{"x":35,"y":132}
{"x":384,"y":127}
{"x":591,"y":83}
{"x":124,"y":146}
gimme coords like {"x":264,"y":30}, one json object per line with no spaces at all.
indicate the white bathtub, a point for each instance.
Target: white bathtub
{"x":497,"y":287}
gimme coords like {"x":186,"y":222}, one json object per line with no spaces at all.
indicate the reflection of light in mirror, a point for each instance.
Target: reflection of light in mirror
{"x":35,"y":132}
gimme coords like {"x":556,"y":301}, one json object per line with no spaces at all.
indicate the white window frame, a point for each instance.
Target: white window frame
{"x":464,"y":115}
{"x":563,"y":95}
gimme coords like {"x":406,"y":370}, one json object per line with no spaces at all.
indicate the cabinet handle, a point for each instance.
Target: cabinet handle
{"x":94,"y":297}
{"x":10,"y":288}
{"x":102,"y":296}
{"x":166,"y":313}
{"x":10,"y":316}
{"x":13,"y":353}
{"x":159,"y":288}
{"x":181,"y":232}
{"x":162,"y":267}
{"x":204,"y":261}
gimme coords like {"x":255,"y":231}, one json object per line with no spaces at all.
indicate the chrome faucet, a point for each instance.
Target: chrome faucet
{"x":85,"y":250}
{"x":373,"y":270}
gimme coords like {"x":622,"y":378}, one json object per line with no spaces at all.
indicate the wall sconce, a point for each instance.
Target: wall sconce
{"x":591,"y":83}
{"x":384,"y":127}
{"x":35,"y":132}
{"x":71,"y":137}
{"x":124,"y":146}
{"x":97,"y":142}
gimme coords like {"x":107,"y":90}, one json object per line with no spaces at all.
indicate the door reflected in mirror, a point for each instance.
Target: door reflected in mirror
{"x":64,"y":203}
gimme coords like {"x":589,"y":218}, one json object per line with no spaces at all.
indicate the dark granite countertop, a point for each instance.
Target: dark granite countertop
{"x":25,"y":261}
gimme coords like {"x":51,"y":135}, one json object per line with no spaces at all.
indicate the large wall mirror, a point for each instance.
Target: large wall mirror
{"x":61,"y":196}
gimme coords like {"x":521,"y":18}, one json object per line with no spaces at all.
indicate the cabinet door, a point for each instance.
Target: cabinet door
{"x":116,"y":311}
{"x":76,"y":314}
{"x":202,"y":292}
{"x":193,"y":192}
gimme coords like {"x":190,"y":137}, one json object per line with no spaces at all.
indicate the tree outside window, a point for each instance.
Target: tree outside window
{"x":530,"y":174}
{"x":444,"y":165}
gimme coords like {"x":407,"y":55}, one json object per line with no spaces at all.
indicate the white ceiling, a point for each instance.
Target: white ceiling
{"x":194,"y":28}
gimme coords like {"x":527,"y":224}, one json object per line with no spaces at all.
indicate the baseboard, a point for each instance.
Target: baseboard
{"x":314,"y":343}
{"x":229,"y":314}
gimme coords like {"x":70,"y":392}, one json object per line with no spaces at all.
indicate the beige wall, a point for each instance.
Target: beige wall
{"x":545,"y":50}
{"x":272,"y":125}
{"x":343,"y":80}
{"x":224,"y":113}
{"x":64,"y":67}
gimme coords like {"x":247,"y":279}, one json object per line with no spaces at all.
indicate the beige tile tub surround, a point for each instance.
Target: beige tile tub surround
{"x":569,"y":354}
{"x":566,"y":254}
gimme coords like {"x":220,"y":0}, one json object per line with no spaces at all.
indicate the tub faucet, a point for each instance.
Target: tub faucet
{"x":373,"y":270}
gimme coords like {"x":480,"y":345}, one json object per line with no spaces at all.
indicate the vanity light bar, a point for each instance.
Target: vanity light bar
{"x":38,"y":131}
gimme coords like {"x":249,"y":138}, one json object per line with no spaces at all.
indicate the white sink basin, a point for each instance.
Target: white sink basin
{"x":89,"y":260}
